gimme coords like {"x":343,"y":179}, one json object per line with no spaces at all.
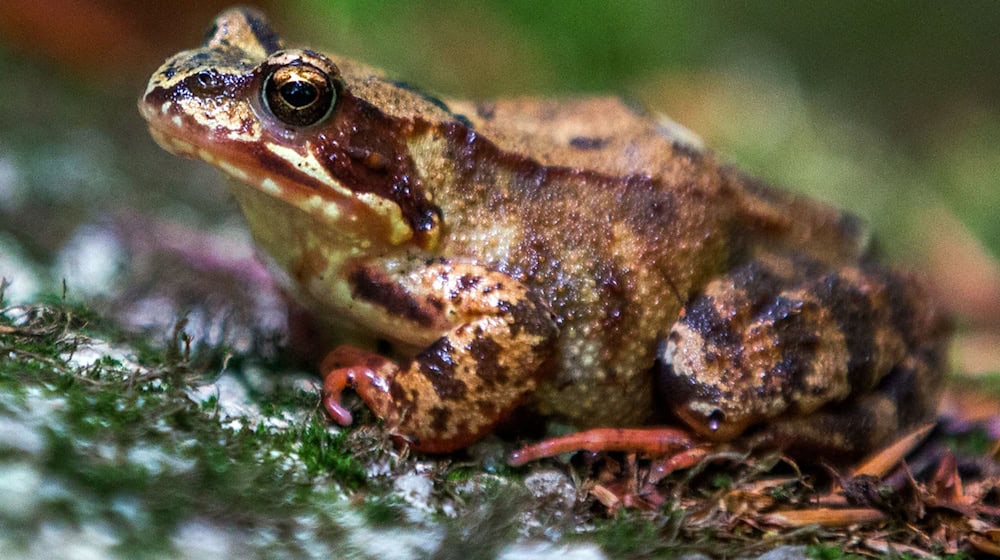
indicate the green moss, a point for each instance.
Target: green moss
{"x":629,"y":535}
{"x":321,"y":451}
{"x":383,"y":510}
{"x":283,"y":399}
{"x":462,"y":473}
{"x":488,"y":522}
{"x":827,"y":552}
{"x":119,"y":436}
{"x":722,"y":480}
{"x":976,"y":442}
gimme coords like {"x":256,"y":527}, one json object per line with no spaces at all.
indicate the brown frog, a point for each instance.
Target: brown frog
{"x":576,"y":258}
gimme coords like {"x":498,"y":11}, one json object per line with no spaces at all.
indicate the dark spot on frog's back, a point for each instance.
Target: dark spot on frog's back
{"x":468,"y":282}
{"x":530,"y":319}
{"x":758,"y":283}
{"x":587,"y":143}
{"x":373,"y":287}
{"x":853,"y":227}
{"x":486,"y":111}
{"x":901,"y":304}
{"x":433,"y":101}
{"x":687,"y":150}
{"x":210,"y":33}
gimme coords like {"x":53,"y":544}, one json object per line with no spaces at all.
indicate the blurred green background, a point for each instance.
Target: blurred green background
{"x":888,"y":109}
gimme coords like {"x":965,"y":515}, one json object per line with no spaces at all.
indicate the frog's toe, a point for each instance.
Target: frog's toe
{"x":368,"y":374}
{"x":654,"y":442}
{"x":334,"y":384}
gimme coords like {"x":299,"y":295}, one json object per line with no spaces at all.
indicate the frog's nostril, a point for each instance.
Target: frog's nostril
{"x":207,"y":82}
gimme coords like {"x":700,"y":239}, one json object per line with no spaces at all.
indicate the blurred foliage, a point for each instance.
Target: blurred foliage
{"x":892,"y":104}
{"x":882,"y":107}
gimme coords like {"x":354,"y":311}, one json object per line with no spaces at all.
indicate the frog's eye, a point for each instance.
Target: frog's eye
{"x":299,"y":94}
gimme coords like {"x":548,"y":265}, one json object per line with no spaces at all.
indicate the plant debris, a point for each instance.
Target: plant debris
{"x":915,"y":497}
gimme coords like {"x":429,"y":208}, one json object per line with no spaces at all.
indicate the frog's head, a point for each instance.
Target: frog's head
{"x":287,"y":123}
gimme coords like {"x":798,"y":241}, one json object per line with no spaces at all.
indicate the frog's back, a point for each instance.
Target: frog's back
{"x":618,"y":142}
{"x":617,"y":220}
{"x":602,"y":134}
{"x":607,"y":136}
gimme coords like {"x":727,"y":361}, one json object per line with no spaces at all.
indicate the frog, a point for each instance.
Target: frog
{"x":578,"y":260}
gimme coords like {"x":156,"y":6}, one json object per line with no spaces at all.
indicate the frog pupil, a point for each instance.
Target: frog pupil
{"x":298,"y":93}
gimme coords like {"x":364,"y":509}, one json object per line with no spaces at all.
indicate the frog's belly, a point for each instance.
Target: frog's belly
{"x":597,"y":405}
{"x":600,"y":388}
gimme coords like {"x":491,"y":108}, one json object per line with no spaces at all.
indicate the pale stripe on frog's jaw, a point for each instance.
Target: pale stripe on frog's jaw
{"x":308,"y":164}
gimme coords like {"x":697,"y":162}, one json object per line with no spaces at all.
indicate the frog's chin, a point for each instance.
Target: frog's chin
{"x":172,"y":144}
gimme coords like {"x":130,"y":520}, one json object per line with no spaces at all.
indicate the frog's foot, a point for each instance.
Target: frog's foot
{"x":368,"y":374}
{"x":653,"y":442}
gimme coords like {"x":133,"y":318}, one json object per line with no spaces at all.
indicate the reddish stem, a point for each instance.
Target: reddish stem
{"x":654,"y":442}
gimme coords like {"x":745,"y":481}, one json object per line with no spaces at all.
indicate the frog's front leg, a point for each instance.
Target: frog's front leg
{"x":490,"y":339}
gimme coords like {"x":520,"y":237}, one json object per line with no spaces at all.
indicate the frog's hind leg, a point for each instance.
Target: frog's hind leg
{"x":831,"y":358}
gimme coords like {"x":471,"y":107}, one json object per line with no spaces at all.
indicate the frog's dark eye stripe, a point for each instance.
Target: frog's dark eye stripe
{"x":299,"y":94}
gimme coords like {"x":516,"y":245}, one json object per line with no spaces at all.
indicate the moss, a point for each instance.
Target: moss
{"x":383,"y":510}
{"x":976,"y":442}
{"x":487,"y":523}
{"x":120,"y":436}
{"x":631,"y":535}
{"x":722,"y":480}
{"x":828,"y":552}
{"x":321,"y":451}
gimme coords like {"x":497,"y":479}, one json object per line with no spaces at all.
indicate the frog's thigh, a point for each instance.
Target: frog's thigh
{"x":782,"y":338}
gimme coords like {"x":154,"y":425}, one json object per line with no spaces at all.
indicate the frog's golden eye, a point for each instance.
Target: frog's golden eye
{"x":299,"y":94}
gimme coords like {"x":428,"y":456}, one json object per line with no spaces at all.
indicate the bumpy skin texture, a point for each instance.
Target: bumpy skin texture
{"x":565,"y":255}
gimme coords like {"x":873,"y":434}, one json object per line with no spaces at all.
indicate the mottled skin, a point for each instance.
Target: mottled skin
{"x":570,"y":256}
